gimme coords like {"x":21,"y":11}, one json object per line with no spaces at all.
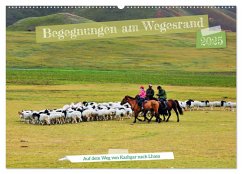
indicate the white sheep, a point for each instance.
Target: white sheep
{"x":182,"y":104}
{"x":103,"y":113}
{"x":26,"y":116}
{"x":73,"y":116}
{"x":57,"y":117}
{"x":230,"y":105}
{"x":44,"y":119}
{"x":66,"y":107}
{"x":129,"y":112}
{"x":87,"y":114}
{"x":120,"y":113}
{"x":214,"y":104}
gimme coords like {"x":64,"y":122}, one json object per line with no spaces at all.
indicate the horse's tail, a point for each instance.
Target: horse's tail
{"x":179,"y":108}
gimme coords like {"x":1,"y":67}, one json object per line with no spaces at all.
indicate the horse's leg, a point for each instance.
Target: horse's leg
{"x":157,"y":114}
{"x":139,"y":118}
{"x":164,"y":118}
{"x":169,"y":114}
{"x":152,"y":115}
{"x":136,"y":114}
{"x":150,"y":118}
{"x":145,"y":118}
{"x":160,"y":113}
{"x":177,"y":115}
{"x":135,"y":117}
{"x":158,"y":117}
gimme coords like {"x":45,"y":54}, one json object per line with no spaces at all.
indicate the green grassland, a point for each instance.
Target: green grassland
{"x":157,"y":53}
{"x":202,"y":139}
{"x":165,"y":59}
{"x":57,"y":76}
{"x":49,"y":75}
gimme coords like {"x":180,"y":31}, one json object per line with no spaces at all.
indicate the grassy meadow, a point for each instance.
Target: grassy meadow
{"x":173,"y":52}
{"x":202,"y":139}
{"x":50,"y":75}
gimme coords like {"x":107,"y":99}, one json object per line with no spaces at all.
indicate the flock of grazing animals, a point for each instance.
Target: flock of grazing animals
{"x":91,"y":111}
{"x":197,"y":105}
{"x":79,"y":112}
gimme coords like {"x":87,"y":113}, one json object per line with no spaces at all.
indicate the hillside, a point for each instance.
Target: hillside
{"x":159,"y":52}
{"x":225,"y":17}
{"x":29,"y":24}
{"x":166,"y":59}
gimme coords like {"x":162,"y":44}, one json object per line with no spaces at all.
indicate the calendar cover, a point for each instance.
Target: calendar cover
{"x":138,"y":87}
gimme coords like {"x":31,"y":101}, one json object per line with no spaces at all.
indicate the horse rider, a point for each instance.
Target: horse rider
{"x":162,"y":95}
{"x":150,"y":93}
{"x":142,"y":95}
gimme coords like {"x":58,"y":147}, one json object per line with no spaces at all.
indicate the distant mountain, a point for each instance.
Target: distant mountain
{"x":226,"y":17}
{"x":29,"y":24}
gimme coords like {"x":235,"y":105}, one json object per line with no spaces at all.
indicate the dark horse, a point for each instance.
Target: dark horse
{"x":150,"y":105}
{"x":171,"y":104}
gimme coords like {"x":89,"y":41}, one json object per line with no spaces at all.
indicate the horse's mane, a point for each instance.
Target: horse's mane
{"x":129,"y":97}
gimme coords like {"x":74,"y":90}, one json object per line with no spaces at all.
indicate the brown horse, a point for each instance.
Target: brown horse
{"x":171,"y":104}
{"x":150,"y":105}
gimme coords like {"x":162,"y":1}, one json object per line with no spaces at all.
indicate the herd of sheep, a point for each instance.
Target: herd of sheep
{"x":79,"y":112}
{"x":92,"y":111}
{"x":197,"y":105}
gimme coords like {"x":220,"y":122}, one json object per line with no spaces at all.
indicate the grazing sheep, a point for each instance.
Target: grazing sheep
{"x":65,"y":107}
{"x":214,"y":104}
{"x":72,"y":116}
{"x":44,"y":119}
{"x":183,"y":105}
{"x":120,"y":113}
{"x":129,"y":112}
{"x":91,"y":111}
{"x":203,"y":104}
{"x":56,"y":117}
{"x":25,"y":115}
{"x":190,"y":104}
{"x":193,"y":104}
{"x":87,"y":115}
{"x":230,"y":105}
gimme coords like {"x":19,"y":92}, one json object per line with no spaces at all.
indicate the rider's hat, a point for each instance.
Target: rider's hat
{"x":158,"y":87}
{"x":150,"y":85}
{"x":142,"y":87}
